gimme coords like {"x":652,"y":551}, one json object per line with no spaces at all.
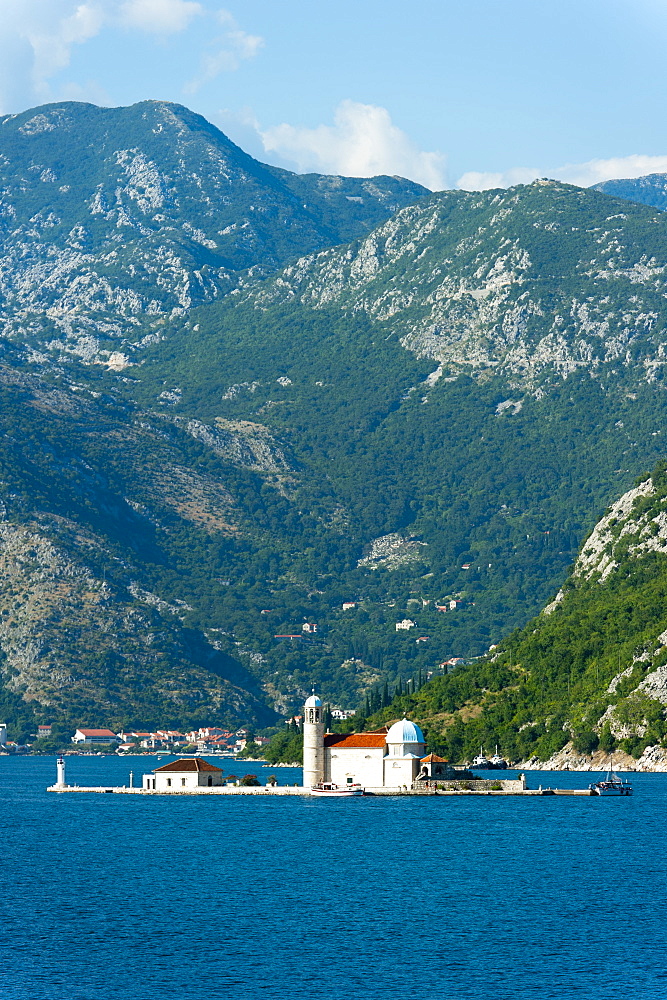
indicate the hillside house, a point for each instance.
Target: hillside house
{"x":405,"y":625}
{"x":154,"y":742}
{"x":171,"y":736}
{"x":90,"y":737}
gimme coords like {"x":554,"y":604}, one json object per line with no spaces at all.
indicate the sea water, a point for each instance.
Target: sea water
{"x":255,"y":898}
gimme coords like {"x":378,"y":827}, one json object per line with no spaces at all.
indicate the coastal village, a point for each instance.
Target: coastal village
{"x":207,"y":739}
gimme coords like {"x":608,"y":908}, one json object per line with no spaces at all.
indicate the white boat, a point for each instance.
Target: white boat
{"x":329,"y":790}
{"x":497,"y":763}
{"x":611,"y":785}
{"x":481,"y":761}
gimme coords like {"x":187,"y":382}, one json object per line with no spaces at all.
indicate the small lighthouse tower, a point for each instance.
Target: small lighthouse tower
{"x":60,"y":770}
{"x":313,"y":741}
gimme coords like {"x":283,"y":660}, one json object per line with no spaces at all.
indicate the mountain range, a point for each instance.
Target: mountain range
{"x":237,"y":398}
{"x":648,"y":190}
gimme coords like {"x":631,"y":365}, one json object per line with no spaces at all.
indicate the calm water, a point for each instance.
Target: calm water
{"x":106,"y":897}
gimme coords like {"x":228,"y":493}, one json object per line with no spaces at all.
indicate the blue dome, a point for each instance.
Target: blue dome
{"x":313,"y":702}
{"x":405,"y":732}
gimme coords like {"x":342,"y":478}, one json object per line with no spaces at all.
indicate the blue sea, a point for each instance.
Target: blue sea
{"x":118,"y":897}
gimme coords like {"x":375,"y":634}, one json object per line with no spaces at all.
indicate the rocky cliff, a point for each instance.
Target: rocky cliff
{"x":113,"y":220}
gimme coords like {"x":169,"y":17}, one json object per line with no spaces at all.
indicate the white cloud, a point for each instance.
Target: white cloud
{"x":581,"y":174}
{"x":226,"y":52}
{"x":36,"y":40}
{"x":362,"y":142}
{"x":160,"y":17}
{"x":52,"y":43}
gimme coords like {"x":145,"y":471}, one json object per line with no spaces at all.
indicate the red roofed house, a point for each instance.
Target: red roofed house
{"x":95,"y":736}
{"x":186,"y":775}
{"x":434,"y":766}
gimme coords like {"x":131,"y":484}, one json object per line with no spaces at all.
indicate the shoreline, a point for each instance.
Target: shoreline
{"x":652,"y":761}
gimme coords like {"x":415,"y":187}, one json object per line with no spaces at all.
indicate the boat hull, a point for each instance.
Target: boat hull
{"x":603,"y":788}
{"x":337,"y":792}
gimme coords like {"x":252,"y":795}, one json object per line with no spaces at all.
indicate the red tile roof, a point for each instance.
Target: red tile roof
{"x":434,"y":759}
{"x":96,"y":732}
{"x":358,"y":741}
{"x":189,"y":764}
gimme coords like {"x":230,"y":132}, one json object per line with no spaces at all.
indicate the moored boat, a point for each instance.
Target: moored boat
{"x":481,"y":761}
{"x":611,"y":785}
{"x":333,"y":791}
{"x":497,"y":763}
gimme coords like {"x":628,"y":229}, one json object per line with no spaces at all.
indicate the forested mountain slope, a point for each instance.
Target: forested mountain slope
{"x":470,"y":384}
{"x":591,"y":668}
{"x":110,"y":217}
{"x":648,"y":190}
{"x":422,"y":423}
{"x":100,"y":506}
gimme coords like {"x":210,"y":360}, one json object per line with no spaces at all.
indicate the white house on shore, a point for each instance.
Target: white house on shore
{"x":91,"y":736}
{"x":377,"y":760}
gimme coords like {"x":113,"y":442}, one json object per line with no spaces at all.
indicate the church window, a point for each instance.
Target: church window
{"x":168,"y":782}
{"x":183,"y":782}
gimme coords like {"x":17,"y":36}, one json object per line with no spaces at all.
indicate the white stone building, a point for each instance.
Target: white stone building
{"x":382,"y":759}
{"x":184,"y":775}
{"x":90,"y":736}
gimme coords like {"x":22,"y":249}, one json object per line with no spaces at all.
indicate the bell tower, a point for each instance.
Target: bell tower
{"x":313,"y":741}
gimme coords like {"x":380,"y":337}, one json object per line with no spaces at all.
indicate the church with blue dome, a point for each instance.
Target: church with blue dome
{"x":388,"y":758}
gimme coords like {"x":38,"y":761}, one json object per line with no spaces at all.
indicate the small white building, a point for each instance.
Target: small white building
{"x":309,"y":627}
{"x":185,"y":775}
{"x":406,"y":624}
{"x":3,"y":734}
{"x":92,"y":736}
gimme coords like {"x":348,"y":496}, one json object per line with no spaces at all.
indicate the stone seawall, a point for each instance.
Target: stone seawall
{"x":480,"y":786}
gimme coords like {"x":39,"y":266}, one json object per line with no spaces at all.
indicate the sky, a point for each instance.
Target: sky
{"x":451,"y":93}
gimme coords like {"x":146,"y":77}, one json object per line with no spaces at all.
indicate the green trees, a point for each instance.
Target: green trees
{"x":575,"y":673}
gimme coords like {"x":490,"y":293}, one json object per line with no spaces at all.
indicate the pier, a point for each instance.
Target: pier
{"x":283,"y":790}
